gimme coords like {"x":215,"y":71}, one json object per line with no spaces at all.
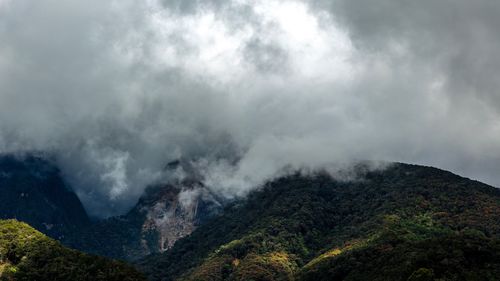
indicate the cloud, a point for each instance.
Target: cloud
{"x":117,"y":89}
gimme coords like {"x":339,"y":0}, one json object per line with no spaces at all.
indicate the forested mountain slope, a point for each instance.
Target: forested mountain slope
{"x":26,"y":254}
{"x":406,"y":222}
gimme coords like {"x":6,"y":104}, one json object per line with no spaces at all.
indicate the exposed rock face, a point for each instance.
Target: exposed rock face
{"x":163,"y":215}
{"x":172,"y":213}
{"x":32,"y":190}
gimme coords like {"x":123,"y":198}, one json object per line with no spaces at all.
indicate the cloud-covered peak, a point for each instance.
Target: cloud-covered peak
{"x":116,"y":89}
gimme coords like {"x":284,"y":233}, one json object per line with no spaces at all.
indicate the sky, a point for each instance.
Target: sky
{"x":244,"y":89}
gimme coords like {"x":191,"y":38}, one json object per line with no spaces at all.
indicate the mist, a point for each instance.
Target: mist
{"x":243,"y":89}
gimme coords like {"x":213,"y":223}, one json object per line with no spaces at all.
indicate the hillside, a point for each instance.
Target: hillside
{"x":403,"y":223}
{"x":26,"y":254}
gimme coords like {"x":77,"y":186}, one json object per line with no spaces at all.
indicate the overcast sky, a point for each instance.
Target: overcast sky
{"x":116,"y":89}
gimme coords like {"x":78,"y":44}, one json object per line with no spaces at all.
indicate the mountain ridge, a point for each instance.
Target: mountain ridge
{"x":303,"y":226}
{"x":293,"y":220}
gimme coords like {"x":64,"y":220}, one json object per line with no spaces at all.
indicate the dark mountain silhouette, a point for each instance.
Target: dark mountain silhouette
{"x":32,"y":190}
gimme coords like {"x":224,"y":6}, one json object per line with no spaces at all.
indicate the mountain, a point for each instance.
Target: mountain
{"x":32,"y":190}
{"x":405,"y":222}
{"x":26,"y":254}
{"x":163,"y":215}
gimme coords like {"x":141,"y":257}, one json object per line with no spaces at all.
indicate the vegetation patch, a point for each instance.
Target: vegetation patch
{"x":26,"y":254}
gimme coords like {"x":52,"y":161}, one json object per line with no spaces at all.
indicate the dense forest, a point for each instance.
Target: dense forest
{"x":403,"y":223}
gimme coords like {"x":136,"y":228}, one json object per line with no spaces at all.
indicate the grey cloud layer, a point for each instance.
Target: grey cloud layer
{"x":118,"y":88}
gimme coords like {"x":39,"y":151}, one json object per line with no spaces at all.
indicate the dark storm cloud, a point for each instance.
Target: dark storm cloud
{"x":456,"y":42}
{"x":116,"y":89}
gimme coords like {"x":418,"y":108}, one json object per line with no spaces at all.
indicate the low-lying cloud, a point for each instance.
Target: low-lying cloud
{"x":117,"y":89}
